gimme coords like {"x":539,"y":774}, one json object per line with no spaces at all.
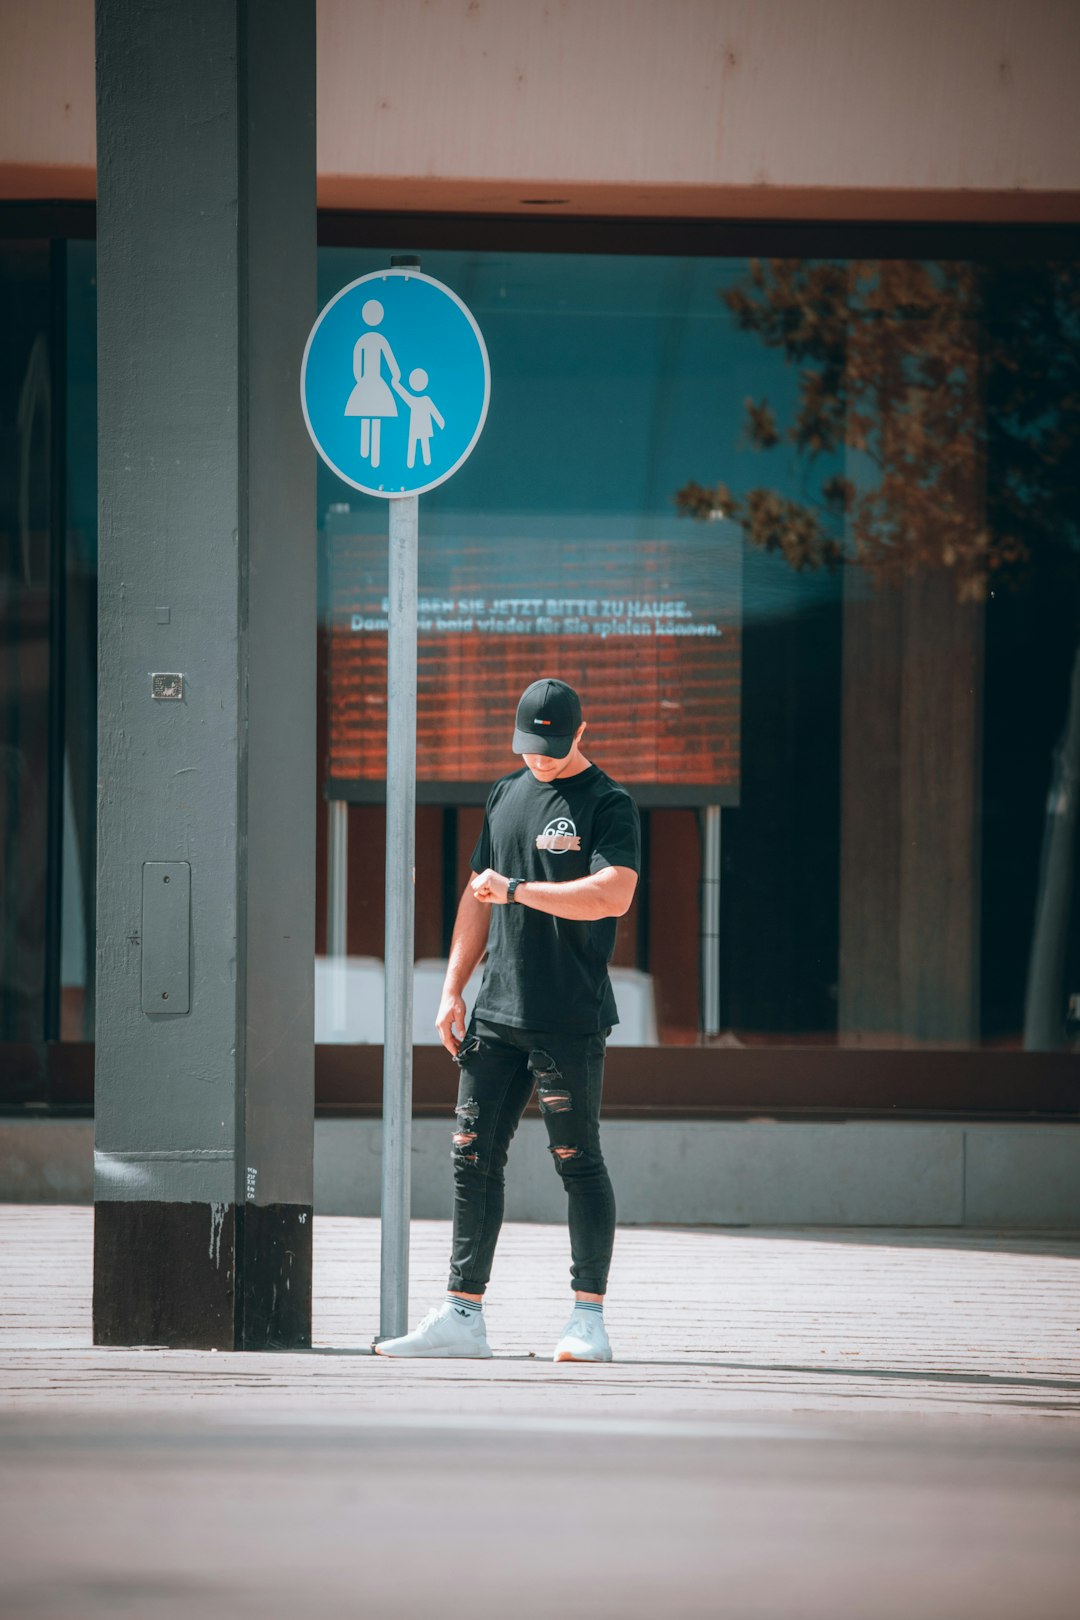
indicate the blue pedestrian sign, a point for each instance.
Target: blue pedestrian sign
{"x":395,"y":383}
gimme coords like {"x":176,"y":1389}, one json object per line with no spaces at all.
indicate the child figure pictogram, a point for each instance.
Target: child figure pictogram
{"x":422,"y":414}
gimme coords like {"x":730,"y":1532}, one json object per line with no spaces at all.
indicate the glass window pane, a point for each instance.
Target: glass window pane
{"x":25,"y":520}
{"x":80,"y":649}
{"x":882,"y":455}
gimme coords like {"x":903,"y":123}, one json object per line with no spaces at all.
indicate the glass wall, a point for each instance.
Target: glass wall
{"x":48,"y":547}
{"x":80,"y":647}
{"x":27,"y":498}
{"x":804,"y":533}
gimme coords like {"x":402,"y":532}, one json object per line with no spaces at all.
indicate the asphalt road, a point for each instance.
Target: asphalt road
{"x":801,"y":1517}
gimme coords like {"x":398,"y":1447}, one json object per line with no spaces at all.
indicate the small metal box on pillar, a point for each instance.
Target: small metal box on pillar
{"x":395,"y":385}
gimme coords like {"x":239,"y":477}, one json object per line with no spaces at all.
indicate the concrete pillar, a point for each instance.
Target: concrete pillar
{"x":206,"y":818}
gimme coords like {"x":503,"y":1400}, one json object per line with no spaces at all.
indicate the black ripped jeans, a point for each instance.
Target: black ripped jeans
{"x":499,"y":1067}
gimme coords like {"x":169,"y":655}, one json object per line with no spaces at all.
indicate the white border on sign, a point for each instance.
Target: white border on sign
{"x":384,"y":275}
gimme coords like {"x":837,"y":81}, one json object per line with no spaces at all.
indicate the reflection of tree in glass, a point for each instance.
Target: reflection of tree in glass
{"x":946,"y":385}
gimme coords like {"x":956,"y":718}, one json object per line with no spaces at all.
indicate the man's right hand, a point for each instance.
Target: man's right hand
{"x":451,"y":1022}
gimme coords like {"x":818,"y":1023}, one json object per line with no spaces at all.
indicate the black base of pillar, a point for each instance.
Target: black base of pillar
{"x":274,"y":1301}
{"x":166,"y":1274}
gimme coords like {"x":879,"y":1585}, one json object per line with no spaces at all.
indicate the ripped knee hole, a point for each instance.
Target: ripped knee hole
{"x":565,"y":1153}
{"x":467,"y":1113}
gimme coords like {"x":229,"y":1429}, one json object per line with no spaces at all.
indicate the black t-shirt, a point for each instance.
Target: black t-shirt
{"x":549,"y":972}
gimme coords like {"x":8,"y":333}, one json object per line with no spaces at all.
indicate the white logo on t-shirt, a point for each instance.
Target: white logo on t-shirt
{"x":559,"y":836}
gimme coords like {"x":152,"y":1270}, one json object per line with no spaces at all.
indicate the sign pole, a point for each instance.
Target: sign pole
{"x":400,"y":916}
{"x":394,"y":386}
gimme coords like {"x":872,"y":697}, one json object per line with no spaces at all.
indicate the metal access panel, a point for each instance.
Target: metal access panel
{"x":166,"y":937}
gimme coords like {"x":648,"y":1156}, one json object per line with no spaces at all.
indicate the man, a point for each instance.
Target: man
{"x":556,"y":863}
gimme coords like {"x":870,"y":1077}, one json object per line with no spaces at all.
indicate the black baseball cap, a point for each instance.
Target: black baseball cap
{"x":548,"y":716}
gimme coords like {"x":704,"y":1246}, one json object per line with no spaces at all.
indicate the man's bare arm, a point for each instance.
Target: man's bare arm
{"x":607,"y":893}
{"x":467,"y":946}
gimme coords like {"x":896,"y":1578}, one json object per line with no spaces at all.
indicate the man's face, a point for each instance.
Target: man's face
{"x":546,"y":768}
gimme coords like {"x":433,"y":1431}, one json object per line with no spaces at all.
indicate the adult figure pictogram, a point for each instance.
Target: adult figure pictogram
{"x":371,"y":399}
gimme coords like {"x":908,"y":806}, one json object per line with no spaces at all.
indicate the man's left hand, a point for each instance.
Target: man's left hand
{"x":490,"y":887}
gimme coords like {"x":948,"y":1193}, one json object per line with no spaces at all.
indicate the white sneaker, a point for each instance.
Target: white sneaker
{"x":584,"y":1339}
{"x":448,"y":1330}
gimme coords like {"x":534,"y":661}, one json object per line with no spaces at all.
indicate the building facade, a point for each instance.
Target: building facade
{"x":783,"y":309}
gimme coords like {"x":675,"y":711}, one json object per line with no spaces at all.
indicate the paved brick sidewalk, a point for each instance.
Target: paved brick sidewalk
{"x":705,"y":1324}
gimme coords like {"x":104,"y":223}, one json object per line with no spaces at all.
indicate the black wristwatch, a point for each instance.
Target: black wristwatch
{"x":511,"y":886}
